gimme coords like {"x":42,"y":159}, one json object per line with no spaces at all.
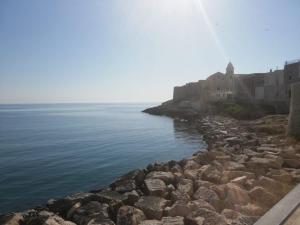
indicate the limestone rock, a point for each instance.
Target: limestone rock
{"x":152,"y":206}
{"x":178,"y":220}
{"x":90,"y":211}
{"x":128,"y":182}
{"x":108,"y":196}
{"x":156,"y":187}
{"x":192,"y":174}
{"x":260,"y":195}
{"x":233,"y":166}
{"x":128,"y":215}
{"x":236,"y":195}
{"x":151,"y":222}
{"x":212,"y":174}
{"x":199,"y":203}
{"x":179,"y":208}
{"x":11,"y":219}
{"x":178,"y":195}
{"x":185,"y":186}
{"x":209,"y":196}
{"x":210,"y":217}
{"x":62,"y":206}
{"x":191,"y":165}
{"x":230,"y":175}
{"x":167,"y":177}
{"x":239,"y":181}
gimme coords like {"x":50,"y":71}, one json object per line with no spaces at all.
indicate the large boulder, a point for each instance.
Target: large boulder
{"x":151,"y":222}
{"x":262,"y":196}
{"x":11,"y":219}
{"x":128,"y":182}
{"x":128,"y":215}
{"x":236,"y":195}
{"x":33,"y":217}
{"x":152,"y":206}
{"x":90,"y":212}
{"x":211,"y":173}
{"x":167,"y":177}
{"x":179,"y":208}
{"x":156,"y":187}
{"x":185,"y":186}
{"x":62,"y":206}
{"x":199,"y":203}
{"x":207,"y":195}
{"x":178,"y":220}
{"x":210,"y":217}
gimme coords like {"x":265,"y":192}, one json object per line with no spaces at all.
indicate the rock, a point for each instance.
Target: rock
{"x":191,"y":174}
{"x":236,"y":195}
{"x":90,"y":211}
{"x":178,"y":195}
{"x":260,"y":195}
{"x":156,"y":187}
{"x":167,"y":177}
{"x":212,"y":174}
{"x":261,"y":165}
{"x":152,"y":206}
{"x":62,"y":206}
{"x":210,"y":217}
{"x":128,"y":182}
{"x":108,"y":196}
{"x":292,"y":163}
{"x":191,"y":165}
{"x":132,"y":197}
{"x":239,"y":181}
{"x":176,"y":169}
{"x":203,"y":183}
{"x":11,"y":219}
{"x":56,"y":220}
{"x":101,"y":221}
{"x":179,"y":208}
{"x":233,"y":166}
{"x":280,"y":175}
{"x":252,"y":210}
{"x":244,"y":220}
{"x":233,"y":140}
{"x":33,"y":217}
{"x":151,"y":222}
{"x":178,"y":220}
{"x":196,"y":204}
{"x":128,"y":215}
{"x":209,"y":196}
{"x":230,"y":175}
{"x":230,"y":214}
{"x":171,"y":188}
{"x":272,"y":186}
{"x":185,"y":186}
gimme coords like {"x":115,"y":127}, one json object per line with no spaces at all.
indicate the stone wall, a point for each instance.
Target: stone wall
{"x":294,"y":118}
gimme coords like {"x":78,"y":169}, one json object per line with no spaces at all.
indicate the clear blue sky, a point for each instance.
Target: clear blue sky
{"x":136,"y":50}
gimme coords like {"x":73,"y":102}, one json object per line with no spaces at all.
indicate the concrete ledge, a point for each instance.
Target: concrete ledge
{"x":279,"y":214}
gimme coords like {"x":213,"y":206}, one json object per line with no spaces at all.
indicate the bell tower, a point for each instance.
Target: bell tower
{"x":230,"y":69}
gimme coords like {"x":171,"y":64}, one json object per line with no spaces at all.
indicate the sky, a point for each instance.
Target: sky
{"x":56,"y":51}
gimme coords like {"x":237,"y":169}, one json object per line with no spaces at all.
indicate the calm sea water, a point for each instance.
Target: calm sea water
{"x":53,"y":150}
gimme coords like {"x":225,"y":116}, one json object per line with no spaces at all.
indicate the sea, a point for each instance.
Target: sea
{"x":53,"y":150}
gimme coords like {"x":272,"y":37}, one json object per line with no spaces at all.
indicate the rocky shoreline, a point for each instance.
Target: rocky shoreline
{"x":247,"y":167}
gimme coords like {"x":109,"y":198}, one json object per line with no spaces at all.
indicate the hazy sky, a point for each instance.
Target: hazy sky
{"x":136,"y":50}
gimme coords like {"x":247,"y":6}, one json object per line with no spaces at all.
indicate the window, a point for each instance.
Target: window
{"x":290,"y":77}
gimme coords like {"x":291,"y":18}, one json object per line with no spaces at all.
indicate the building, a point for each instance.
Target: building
{"x":270,"y":89}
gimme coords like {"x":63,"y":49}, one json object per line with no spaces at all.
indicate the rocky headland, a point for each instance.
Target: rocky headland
{"x":247,"y":167}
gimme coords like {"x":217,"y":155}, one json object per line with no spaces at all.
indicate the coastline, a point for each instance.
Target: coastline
{"x":247,"y":167}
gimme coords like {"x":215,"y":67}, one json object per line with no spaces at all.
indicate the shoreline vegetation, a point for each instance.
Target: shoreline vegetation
{"x":248,"y":166}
